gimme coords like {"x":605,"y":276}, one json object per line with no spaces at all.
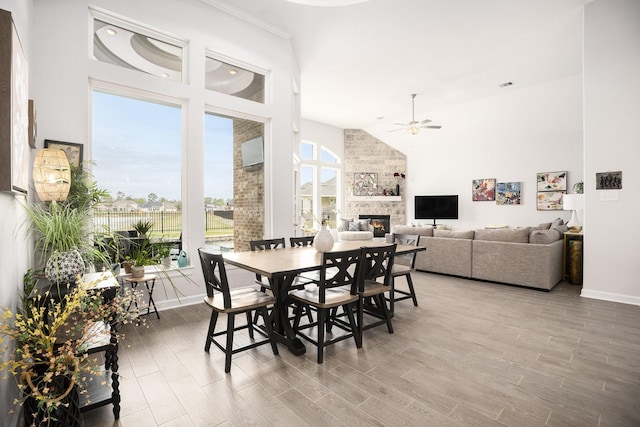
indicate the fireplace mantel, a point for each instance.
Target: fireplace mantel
{"x":375,"y":198}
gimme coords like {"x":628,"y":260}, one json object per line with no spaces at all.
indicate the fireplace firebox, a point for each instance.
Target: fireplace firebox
{"x":381,"y":224}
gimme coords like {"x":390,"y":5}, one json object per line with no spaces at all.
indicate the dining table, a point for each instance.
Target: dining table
{"x":281,"y":266}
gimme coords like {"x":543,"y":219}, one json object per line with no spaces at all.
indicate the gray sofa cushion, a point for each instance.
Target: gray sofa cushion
{"x":544,"y":236}
{"x":513,"y":235}
{"x":453,"y":234}
{"x":409,"y":229}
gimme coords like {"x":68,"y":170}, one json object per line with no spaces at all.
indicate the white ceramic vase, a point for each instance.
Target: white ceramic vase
{"x":323,"y":242}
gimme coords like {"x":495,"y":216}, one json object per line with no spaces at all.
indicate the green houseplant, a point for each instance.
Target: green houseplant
{"x":143,"y":228}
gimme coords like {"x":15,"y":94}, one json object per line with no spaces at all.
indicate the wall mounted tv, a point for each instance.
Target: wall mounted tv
{"x":252,"y":152}
{"x":436,"y":207}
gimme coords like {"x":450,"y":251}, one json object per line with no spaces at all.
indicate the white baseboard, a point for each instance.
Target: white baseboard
{"x":607,"y":296}
{"x":183,"y":301}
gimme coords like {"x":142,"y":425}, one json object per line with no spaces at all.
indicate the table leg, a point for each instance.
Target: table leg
{"x":283,"y":331}
{"x":151,"y":301}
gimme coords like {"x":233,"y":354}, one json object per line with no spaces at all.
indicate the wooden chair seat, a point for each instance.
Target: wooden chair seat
{"x":241,"y":300}
{"x":333,"y":297}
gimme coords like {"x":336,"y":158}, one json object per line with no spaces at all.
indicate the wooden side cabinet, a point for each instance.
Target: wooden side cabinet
{"x":572,"y":258}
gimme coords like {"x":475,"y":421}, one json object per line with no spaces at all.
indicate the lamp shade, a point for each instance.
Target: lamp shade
{"x":51,"y":175}
{"x":573,"y":202}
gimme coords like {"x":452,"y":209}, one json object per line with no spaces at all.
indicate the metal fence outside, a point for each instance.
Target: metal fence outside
{"x":217,"y":222}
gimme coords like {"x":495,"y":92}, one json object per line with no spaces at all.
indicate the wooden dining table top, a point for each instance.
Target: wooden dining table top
{"x":295,"y":260}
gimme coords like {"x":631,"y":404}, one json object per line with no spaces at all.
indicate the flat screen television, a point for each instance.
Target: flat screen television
{"x":436,"y":207}
{"x":252,"y":152}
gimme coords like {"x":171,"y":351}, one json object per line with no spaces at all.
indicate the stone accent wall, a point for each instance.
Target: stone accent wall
{"x":365,"y":153}
{"x":248,"y":188}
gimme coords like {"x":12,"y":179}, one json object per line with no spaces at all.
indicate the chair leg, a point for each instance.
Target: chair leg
{"x":354,"y":327}
{"x":392,"y":296}
{"x":360,"y":317}
{"x":269,"y":328}
{"x":412,"y":290}
{"x":385,"y":311}
{"x":229,"y":349}
{"x":250,"y":323}
{"x":322,"y":315}
{"x":212,"y":328}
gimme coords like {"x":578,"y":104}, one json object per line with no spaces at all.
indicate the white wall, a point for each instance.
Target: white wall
{"x":16,"y":252}
{"x":612,"y":109}
{"x":63,"y":71}
{"x":510,"y":137}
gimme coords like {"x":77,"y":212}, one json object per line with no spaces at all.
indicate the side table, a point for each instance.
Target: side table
{"x":149,"y":281}
{"x":572,"y":257}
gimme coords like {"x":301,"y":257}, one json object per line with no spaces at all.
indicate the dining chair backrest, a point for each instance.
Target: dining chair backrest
{"x":266,"y":244}
{"x":406,"y":240}
{"x":340,"y":268}
{"x":376,"y":264}
{"x":215,"y":275}
{"x":301,"y":241}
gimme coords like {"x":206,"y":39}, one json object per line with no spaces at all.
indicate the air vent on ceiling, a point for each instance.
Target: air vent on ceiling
{"x":506,"y":84}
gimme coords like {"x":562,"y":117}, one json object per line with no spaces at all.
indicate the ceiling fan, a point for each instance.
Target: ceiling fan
{"x":413,"y":127}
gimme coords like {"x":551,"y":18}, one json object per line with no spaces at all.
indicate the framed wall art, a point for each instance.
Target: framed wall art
{"x":552,"y":181}
{"x":14,"y":109}
{"x":483,"y":189}
{"x":609,"y":180}
{"x":549,"y":200}
{"x":508,"y":193}
{"x":73,"y":150}
{"x":365,"y":184}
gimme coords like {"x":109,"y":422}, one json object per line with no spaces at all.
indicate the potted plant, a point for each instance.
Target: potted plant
{"x":63,"y":240}
{"x":163,"y":250}
{"x":143,"y":228}
{"x":141,"y":255}
{"x":47,"y":344}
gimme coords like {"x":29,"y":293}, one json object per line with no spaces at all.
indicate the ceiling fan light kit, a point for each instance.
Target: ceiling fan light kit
{"x":413,"y":127}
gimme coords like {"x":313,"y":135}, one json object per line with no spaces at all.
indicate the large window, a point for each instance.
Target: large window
{"x":319,"y":183}
{"x":136,"y":150}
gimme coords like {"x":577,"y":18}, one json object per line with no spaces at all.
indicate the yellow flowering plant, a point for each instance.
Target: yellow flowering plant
{"x":49,"y":338}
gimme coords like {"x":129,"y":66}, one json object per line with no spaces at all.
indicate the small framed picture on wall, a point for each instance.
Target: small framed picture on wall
{"x":73,"y":150}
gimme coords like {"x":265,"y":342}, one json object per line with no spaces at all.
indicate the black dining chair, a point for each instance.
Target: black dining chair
{"x":222,"y":300}
{"x":403,"y":265}
{"x":265,"y":245}
{"x":375,"y":281}
{"x":337,"y":287}
{"x":297,"y":242}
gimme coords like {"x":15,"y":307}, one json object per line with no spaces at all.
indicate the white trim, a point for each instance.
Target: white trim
{"x":608,"y":296}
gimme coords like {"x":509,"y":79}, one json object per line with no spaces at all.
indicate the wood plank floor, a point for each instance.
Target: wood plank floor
{"x":472,"y":354}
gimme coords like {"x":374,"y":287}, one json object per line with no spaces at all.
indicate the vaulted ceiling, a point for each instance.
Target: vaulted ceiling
{"x":360,"y":63}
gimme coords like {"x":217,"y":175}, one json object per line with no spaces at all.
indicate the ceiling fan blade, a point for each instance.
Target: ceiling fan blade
{"x":400,"y":124}
{"x":396,"y":130}
{"x":425,"y":121}
{"x":431,"y":127}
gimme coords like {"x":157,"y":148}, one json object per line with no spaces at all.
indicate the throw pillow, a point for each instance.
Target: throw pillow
{"x":556,"y":222}
{"x":354,"y":226}
{"x":344,"y":224}
{"x":544,"y":226}
{"x":560,"y":229}
{"x":544,"y":237}
{"x":364,"y":224}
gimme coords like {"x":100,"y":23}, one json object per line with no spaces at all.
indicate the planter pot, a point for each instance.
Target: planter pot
{"x":137,"y":271}
{"x":64,"y":267}
{"x":323,"y":241}
{"x":67,"y":412}
{"x":166,"y":261}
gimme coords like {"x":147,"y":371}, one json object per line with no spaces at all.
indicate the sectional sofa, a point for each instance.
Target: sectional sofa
{"x":527,"y":256}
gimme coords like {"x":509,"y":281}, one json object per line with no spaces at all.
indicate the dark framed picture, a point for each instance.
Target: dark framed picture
{"x":73,"y":150}
{"x":609,"y":180}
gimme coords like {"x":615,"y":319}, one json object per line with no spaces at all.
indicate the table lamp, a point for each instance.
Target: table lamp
{"x":51,"y":175}
{"x":575,"y":203}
